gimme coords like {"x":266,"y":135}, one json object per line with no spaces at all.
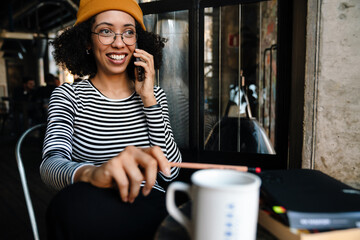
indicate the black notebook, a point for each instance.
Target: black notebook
{"x":309,"y":199}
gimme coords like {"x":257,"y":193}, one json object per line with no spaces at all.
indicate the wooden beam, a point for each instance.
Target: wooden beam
{"x":20,"y":35}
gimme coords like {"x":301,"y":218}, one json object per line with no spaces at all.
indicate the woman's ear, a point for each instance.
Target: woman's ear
{"x":88,"y":48}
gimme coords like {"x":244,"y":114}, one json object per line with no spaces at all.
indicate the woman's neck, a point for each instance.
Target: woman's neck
{"x":114,"y":86}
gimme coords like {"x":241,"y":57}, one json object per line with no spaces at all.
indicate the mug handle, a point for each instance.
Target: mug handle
{"x":173,"y":209}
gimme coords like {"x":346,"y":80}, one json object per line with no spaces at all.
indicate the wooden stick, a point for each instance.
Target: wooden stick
{"x":214,"y":166}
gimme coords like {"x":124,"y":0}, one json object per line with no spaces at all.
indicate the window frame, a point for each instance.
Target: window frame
{"x":195,"y":152}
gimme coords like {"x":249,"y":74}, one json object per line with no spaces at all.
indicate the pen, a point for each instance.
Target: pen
{"x":214,"y":166}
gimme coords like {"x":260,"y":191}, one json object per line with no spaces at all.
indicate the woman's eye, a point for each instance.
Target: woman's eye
{"x":129,"y":33}
{"x":105,"y":32}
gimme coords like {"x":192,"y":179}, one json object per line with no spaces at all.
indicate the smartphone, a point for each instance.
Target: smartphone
{"x":140,"y":72}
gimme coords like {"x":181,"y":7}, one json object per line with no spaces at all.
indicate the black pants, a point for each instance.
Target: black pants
{"x":82,"y":211}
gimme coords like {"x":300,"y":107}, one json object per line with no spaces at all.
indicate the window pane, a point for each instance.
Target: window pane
{"x":173,"y":76}
{"x":240,"y":78}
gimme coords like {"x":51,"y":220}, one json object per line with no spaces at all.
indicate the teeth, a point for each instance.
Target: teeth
{"x":117,"y":57}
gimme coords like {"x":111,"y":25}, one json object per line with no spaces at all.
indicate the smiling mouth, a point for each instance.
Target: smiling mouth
{"x":116,"y":56}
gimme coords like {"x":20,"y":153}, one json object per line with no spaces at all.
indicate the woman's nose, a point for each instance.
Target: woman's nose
{"x":118,"y":42}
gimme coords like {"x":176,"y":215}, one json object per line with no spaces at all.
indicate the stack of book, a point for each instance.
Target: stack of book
{"x":308,"y":204}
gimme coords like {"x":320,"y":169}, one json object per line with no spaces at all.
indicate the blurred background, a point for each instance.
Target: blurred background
{"x":270,"y":84}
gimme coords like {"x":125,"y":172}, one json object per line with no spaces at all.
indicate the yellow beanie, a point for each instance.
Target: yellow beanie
{"x":89,"y":8}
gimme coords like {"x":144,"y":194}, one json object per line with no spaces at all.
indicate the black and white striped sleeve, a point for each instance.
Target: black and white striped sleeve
{"x":57,"y":169}
{"x":160,"y":132}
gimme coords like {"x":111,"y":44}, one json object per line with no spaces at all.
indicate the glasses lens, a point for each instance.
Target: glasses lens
{"x":107,"y":39}
{"x":129,"y":37}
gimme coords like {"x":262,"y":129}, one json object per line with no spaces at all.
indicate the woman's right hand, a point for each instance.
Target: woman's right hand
{"x":126,"y":171}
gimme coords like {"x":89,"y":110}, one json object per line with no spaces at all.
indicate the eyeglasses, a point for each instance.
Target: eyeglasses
{"x":108,"y":37}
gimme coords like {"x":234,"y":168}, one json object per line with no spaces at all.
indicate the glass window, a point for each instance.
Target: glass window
{"x":173,"y":76}
{"x":240,"y":77}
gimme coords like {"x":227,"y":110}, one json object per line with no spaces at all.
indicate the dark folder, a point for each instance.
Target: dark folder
{"x":310,"y":199}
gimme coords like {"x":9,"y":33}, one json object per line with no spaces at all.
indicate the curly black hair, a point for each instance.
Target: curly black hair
{"x":70,"y":49}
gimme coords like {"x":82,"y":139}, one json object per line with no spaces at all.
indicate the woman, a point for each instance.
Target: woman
{"x":109,"y":134}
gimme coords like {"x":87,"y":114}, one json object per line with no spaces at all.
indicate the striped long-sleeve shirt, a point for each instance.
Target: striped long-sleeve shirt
{"x":85,"y":127}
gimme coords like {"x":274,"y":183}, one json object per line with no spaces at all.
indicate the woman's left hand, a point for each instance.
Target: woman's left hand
{"x":145,"y":88}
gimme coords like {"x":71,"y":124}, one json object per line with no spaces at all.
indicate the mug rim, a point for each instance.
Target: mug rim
{"x":254,"y":182}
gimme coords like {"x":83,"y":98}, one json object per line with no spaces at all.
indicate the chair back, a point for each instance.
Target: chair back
{"x":28,"y":151}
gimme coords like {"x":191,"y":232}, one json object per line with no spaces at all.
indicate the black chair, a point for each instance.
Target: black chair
{"x":237,"y":133}
{"x":233,"y":134}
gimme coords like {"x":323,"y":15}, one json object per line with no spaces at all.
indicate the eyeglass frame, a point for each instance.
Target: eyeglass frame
{"x":115,"y":35}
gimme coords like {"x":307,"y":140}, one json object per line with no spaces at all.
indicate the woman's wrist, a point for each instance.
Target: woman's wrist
{"x":83,"y":174}
{"x":151,"y":101}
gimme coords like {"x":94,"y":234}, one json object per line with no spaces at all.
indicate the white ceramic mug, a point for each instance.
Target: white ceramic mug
{"x":225,"y":204}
